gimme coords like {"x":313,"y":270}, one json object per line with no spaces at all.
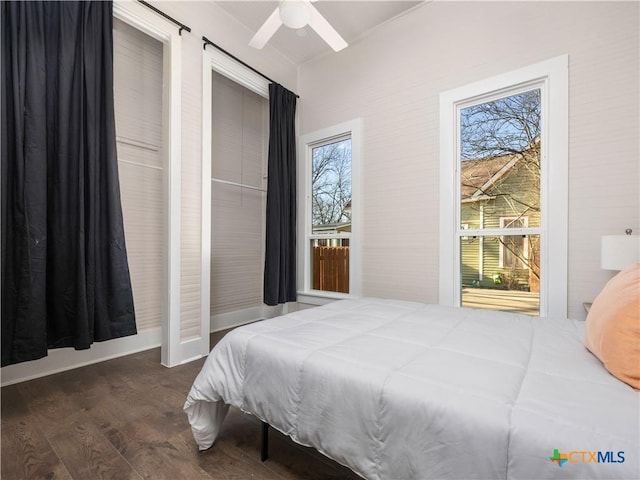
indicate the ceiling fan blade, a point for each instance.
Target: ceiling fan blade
{"x":325,"y":30}
{"x":267,"y":30}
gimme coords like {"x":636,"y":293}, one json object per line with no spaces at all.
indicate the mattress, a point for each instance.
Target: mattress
{"x":401,"y":390}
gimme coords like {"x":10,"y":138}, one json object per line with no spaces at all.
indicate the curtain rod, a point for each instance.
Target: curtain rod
{"x":160,"y":12}
{"x":209,"y":42}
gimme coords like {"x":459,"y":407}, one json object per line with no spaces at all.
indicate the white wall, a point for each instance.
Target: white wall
{"x":392,"y":79}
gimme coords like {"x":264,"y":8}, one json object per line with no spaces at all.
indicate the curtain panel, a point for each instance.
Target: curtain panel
{"x":280,"y":248}
{"x":65,"y":277}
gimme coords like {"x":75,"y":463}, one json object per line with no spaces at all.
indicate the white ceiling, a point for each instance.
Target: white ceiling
{"x":351,"y":19}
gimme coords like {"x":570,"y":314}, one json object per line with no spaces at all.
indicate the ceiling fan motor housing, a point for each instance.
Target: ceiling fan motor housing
{"x":294,"y":13}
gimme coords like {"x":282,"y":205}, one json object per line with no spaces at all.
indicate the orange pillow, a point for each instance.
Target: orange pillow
{"x":613,"y":326}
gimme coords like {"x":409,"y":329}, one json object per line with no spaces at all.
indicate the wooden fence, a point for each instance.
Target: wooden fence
{"x":331,"y":269}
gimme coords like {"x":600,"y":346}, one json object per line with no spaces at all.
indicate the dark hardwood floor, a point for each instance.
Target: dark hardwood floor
{"x":123,"y":419}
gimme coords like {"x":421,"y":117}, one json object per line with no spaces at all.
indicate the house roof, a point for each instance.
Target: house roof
{"x":478,"y":175}
{"x":332,"y":227}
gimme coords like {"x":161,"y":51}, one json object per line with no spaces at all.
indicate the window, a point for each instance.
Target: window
{"x":330,"y":215}
{"x":329,"y":189}
{"x":514,"y":249}
{"x":499,"y":168}
{"x":503,"y":162}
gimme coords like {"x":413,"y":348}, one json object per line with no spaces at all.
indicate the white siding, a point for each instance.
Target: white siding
{"x":392,"y":79}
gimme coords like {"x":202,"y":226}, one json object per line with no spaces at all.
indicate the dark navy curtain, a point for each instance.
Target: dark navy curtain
{"x":280,"y":249}
{"x":65,"y":278}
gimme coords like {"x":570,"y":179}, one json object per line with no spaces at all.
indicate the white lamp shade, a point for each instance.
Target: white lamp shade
{"x":294,"y":13}
{"x":619,"y":251}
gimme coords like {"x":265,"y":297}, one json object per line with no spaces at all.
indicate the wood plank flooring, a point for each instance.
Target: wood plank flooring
{"x":123,"y":419}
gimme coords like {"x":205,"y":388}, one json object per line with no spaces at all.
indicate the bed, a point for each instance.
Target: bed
{"x":401,"y":390}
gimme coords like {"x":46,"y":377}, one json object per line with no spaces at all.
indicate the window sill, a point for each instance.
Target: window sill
{"x":321,"y":298}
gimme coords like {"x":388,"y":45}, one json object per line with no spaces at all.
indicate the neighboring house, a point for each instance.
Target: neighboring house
{"x":501,"y":192}
{"x":331,"y":229}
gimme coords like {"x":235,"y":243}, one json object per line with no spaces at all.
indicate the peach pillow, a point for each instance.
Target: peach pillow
{"x":613,"y":326}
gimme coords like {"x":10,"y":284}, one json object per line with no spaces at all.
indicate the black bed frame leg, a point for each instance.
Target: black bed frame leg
{"x":264,"y":446}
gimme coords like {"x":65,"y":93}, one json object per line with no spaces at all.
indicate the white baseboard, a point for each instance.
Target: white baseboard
{"x":61,"y":359}
{"x":224,"y":321}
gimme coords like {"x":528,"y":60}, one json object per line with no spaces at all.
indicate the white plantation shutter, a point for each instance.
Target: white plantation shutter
{"x":239,"y":143}
{"x":138,"y":108}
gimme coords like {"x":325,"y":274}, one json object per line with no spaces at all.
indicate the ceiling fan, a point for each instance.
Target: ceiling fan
{"x":296,"y":14}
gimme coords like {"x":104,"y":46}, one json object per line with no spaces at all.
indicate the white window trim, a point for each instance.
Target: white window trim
{"x":306,"y":142}
{"x":525,"y":244}
{"x":217,"y":61}
{"x":141,"y":18}
{"x":552,"y":74}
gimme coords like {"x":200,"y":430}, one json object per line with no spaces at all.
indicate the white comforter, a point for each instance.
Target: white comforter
{"x":399,"y":390}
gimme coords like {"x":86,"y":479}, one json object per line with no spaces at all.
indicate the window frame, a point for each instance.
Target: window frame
{"x":464,"y":226}
{"x":551,"y":76}
{"x":306,"y":143}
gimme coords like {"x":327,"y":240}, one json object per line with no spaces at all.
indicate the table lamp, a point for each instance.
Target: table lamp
{"x":619,"y":251}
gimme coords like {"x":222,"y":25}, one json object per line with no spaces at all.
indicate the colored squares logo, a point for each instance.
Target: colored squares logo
{"x":559,"y":458}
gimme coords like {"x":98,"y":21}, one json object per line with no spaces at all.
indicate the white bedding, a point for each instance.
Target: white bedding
{"x":400,"y":390}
